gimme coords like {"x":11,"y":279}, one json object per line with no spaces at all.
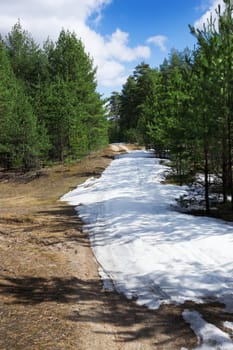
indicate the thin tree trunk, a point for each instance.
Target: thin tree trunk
{"x":230,"y":161}
{"x":224,"y":181}
{"x":207,"y":203}
{"x":224,"y":171}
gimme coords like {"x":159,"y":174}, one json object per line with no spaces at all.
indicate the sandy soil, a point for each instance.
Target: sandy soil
{"x":51,"y":296}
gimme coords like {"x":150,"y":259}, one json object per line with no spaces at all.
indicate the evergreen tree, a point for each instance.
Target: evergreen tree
{"x":114,"y":106}
{"x":73,"y":111}
{"x":20,"y":145}
{"x":137,"y":88}
{"x":213,"y":62}
{"x":148,"y":85}
{"x":128,"y":120}
{"x":28,"y":61}
{"x":225,"y":67}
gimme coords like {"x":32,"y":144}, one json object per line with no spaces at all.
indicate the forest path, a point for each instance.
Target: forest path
{"x":51,"y":294}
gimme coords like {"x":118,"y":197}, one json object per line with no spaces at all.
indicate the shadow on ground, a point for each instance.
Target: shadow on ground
{"x":132,"y":321}
{"x":65,"y":226}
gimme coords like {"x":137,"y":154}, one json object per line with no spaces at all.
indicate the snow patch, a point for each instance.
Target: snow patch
{"x":209,"y":336}
{"x":107,"y":281}
{"x":229,"y":325}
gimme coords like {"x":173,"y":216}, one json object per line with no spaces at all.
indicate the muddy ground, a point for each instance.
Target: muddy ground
{"x":51,"y":296}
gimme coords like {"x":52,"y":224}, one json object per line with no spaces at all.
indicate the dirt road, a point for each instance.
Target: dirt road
{"x":51,"y":294}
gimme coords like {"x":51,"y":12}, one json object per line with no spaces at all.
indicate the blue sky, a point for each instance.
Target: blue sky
{"x":152,"y":18}
{"x":146,"y":18}
{"x":118,"y":34}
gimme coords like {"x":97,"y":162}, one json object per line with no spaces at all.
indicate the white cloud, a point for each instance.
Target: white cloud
{"x":159,"y":40}
{"x":210,"y":12}
{"x":43,"y":18}
{"x":117,"y":46}
{"x":112,"y":74}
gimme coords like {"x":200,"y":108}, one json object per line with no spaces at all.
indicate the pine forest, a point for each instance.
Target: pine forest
{"x":49,"y":107}
{"x":184,"y":108}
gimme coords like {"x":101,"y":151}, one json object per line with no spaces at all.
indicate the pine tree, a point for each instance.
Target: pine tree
{"x":225,"y":66}
{"x":28,"y":61}
{"x":113,"y":106}
{"x":19,"y":138}
{"x":214,"y":67}
{"x":133,"y":95}
{"x":73,"y":110}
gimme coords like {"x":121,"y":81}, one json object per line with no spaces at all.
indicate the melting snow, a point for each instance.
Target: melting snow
{"x":148,"y":250}
{"x":209,"y":336}
{"x":229,"y":325}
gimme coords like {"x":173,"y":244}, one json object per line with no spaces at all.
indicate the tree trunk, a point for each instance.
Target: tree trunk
{"x":224,"y":172}
{"x":230,"y":161}
{"x":207,"y":203}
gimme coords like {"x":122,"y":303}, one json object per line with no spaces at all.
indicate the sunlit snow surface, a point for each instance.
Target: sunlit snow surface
{"x":148,"y":250}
